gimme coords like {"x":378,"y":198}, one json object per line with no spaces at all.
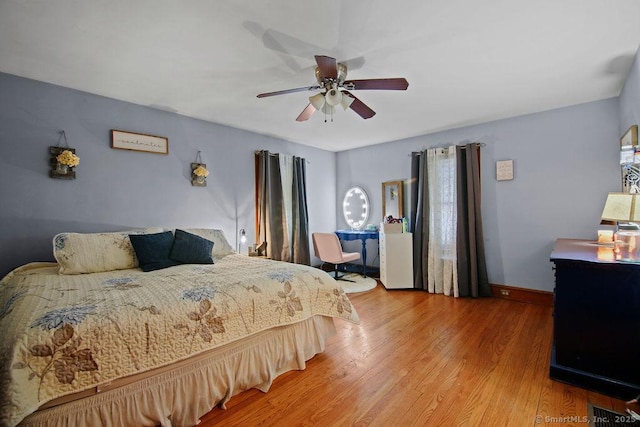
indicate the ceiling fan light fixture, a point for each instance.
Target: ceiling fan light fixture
{"x":333,"y":96}
{"x":317,"y":101}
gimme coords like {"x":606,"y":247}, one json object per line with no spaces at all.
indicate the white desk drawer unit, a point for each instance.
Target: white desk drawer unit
{"x":396,"y":260}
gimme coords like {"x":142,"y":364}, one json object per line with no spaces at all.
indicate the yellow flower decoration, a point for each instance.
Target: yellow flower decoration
{"x":201,"y":171}
{"x":68,"y":158}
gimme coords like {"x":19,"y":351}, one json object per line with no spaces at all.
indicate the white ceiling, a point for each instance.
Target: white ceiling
{"x":467,"y":61}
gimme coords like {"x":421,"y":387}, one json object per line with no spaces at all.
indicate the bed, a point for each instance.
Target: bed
{"x":94,"y":340}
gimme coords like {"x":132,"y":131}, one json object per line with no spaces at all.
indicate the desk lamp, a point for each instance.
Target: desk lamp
{"x":624,"y":208}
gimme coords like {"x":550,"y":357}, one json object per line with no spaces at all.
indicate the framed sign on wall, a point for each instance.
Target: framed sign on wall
{"x":139,"y":142}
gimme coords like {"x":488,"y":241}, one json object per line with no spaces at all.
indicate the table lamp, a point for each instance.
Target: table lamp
{"x":624,"y":208}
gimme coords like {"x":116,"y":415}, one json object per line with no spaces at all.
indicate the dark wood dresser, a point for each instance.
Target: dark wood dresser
{"x":596,"y":336}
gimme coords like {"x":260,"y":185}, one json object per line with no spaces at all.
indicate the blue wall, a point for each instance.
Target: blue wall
{"x":630,"y":97}
{"x":565,"y":161}
{"x":120,"y":189}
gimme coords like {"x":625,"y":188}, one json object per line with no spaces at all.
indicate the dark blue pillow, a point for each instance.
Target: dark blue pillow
{"x":153,"y":250}
{"x":191,"y":249}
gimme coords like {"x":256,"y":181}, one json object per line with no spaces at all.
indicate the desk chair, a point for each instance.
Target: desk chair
{"x":327,"y":247}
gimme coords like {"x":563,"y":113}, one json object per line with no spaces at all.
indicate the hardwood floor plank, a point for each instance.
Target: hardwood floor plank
{"x":418,"y":359}
{"x":535,"y":347}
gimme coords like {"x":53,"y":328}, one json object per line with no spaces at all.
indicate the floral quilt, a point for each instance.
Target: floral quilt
{"x":63,"y":334}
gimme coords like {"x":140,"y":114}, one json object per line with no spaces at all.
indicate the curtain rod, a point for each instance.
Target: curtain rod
{"x":276,"y":154}
{"x":464,"y":147}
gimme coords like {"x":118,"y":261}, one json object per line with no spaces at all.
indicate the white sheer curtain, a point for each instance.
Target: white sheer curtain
{"x":441,"y":171}
{"x":286,"y":177}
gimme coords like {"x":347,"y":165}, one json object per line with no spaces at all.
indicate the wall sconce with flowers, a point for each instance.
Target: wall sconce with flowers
{"x":63,"y":160}
{"x":199,"y":172}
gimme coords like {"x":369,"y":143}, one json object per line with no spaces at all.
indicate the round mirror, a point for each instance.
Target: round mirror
{"x":355,"y":208}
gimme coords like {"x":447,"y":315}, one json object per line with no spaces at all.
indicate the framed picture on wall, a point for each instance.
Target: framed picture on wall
{"x":630,"y":137}
{"x":139,"y":142}
{"x":630,"y":160}
{"x":392,"y":199}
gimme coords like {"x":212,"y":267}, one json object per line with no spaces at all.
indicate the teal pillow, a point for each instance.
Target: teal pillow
{"x":191,"y":249}
{"x":153,"y":250}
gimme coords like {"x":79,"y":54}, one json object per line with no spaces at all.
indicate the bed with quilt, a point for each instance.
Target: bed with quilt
{"x":154,"y":327}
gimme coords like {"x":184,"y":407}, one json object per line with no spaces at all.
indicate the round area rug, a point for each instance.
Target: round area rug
{"x":359,"y":284}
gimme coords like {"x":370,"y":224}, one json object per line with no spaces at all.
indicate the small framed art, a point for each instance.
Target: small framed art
{"x":630,"y":137}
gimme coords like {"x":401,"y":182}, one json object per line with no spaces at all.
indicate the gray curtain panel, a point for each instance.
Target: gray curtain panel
{"x":271,"y":214}
{"x":472,"y":267}
{"x":270,"y":204}
{"x":300,"y":239}
{"x":471,"y":264}
{"x":419,"y":218}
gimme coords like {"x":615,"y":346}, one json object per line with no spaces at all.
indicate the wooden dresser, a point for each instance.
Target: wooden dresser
{"x":596,"y":336}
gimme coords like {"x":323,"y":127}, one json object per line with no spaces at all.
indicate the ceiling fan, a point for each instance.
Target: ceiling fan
{"x":331,"y":77}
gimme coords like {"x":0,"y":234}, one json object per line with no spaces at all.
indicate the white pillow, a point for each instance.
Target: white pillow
{"x":79,"y":253}
{"x":221,"y":246}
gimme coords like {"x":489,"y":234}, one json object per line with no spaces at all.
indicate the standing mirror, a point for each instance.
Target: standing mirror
{"x":355,"y":208}
{"x":392,"y":199}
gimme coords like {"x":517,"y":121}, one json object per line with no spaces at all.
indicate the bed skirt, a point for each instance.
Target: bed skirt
{"x":178,"y":395}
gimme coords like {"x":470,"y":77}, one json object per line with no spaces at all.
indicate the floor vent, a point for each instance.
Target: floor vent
{"x":602,"y":417}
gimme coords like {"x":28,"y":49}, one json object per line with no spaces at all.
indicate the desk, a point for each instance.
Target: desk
{"x":359,"y":235}
{"x":596,"y":319}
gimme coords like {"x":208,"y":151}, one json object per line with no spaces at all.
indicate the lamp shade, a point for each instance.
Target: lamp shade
{"x":333,"y":97}
{"x":317,"y":100}
{"x":622,"y":207}
{"x":328,"y":109}
{"x":346,"y":101}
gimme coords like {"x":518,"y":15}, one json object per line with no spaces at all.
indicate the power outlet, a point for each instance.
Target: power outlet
{"x":504,"y":292}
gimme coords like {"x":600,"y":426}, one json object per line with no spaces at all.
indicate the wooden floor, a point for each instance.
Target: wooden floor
{"x":418,"y":359}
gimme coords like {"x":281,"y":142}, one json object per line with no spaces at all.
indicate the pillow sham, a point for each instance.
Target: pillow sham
{"x":189,"y":248}
{"x":153,"y":250}
{"x":79,"y":253}
{"x":221,"y":246}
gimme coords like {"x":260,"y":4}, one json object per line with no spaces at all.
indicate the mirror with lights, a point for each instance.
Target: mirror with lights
{"x":355,"y":208}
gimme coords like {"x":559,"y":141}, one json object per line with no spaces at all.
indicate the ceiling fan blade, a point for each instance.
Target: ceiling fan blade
{"x":282,"y":92}
{"x":360,"y":107}
{"x":306,"y":113}
{"x":380,"y":84}
{"x":328,"y":66}
{"x":354,"y":63}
